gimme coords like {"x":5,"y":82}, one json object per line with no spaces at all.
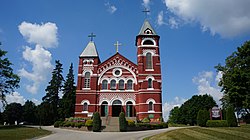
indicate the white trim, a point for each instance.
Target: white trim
{"x":85,"y":101}
{"x":87,"y":70}
{"x":150,"y":100}
{"x":114,"y":70}
{"x":85,"y":112}
{"x":131,"y":100}
{"x":150,"y":76}
{"x":149,"y":69}
{"x":116,"y":98}
{"x":103,"y":100}
{"x":148,"y":112}
{"x":150,"y":40}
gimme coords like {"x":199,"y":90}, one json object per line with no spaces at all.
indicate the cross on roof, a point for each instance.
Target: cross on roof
{"x":117,"y":44}
{"x":92,"y":35}
{"x":146,"y":11}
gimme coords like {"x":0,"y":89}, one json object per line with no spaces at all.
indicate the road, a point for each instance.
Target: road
{"x":65,"y":134}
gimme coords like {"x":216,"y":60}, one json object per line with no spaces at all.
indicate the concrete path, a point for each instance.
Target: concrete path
{"x":64,"y":134}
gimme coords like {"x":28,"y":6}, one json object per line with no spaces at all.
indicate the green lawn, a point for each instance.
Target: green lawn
{"x":21,"y":132}
{"x":201,"y":133}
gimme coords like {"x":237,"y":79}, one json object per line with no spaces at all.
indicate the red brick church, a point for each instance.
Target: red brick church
{"x":119,"y":85}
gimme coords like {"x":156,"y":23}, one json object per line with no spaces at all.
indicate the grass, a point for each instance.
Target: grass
{"x":21,"y":132}
{"x":205,"y":133}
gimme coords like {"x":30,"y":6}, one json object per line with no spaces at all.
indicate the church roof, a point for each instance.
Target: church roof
{"x":90,"y":50}
{"x":147,"y":26}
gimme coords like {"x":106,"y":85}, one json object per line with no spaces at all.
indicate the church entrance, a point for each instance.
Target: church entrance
{"x":104,"y":109}
{"x":116,"y":108}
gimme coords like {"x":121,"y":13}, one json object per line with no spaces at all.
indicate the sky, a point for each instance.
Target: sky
{"x":194,"y":35}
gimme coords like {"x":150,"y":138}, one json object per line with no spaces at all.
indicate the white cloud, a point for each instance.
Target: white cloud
{"x":228,"y":18}
{"x":111,"y":8}
{"x":173,"y":22}
{"x":168,"y":106}
{"x":15,"y":97}
{"x":37,"y":102}
{"x":43,"y":36}
{"x":160,"y":18}
{"x":207,"y":83}
{"x":146,"y":3}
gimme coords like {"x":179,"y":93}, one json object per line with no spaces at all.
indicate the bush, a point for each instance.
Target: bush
{"x":89,"y":123}
{"x":57,"y":124}
{"x":146,"y":120}
{"x":122,"y":122}
{"x":202,"y":117}
{"x":216,"y":123}
{"x":164,"y":124}
{"x":97,"y":122}
{"x":72,"y":124}
{"x":130,"y":123}
{"x":231,"y":119}
{"x":67,"y":124}
{"x":79,"y":125}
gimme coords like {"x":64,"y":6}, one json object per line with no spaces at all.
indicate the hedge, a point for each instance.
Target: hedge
{"x":89,"y":123}
{"x":216,"y":123}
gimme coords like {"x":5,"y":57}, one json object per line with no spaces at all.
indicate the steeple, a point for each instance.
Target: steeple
{"x":147,"y":29}
{"x":90,"y":50}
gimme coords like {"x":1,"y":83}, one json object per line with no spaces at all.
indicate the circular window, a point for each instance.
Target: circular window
{"x":117,"y":72}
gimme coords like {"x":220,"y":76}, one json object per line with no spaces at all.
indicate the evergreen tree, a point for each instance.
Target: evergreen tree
{"x":53,"y":89}
{"x":122,"y":122}
{"x":231,"y":119}
{"x":202,"y":117}
{"x":8,"y":80}
{"x":174,"y":115}
{"x":13,"y":112}
{"x":68,"y":99}
{"x":97,"y":122}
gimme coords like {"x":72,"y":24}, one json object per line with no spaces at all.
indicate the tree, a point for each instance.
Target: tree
{"x":174,"y":115}
{"x":13,"y":112}
{"x":202,"y":117}
{"x":29,"y":112}
{"x":189,"y":110}
{"x":122,"y":122}
{"x":53,"y":90}
{"x":97,"y":122}
{"x":45,"y":113}
{"x":230,"y":116}
{"x":69,"y":97}
{"x":235,"y":81}
{"x":8,"y":80}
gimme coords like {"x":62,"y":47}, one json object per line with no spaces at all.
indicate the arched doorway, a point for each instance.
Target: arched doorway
{"x":129,"y":109}
{"x":116,"y":108}
{"x":104,"y":108}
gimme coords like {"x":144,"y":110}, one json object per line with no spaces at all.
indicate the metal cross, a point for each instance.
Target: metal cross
{"x":92,"y":35}
{"x":146,"y":11}
{"x":117,"y":44}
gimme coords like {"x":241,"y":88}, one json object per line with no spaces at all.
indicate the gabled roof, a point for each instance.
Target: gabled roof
{"x":146,"y":25}
{"x":90,"y":50}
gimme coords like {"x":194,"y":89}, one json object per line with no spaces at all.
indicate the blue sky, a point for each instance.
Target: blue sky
{"x":195,"y":36}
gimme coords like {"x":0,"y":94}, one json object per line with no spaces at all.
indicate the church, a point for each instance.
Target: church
{"x":119,"y":85}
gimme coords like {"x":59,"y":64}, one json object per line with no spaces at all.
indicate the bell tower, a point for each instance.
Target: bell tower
{"x":149,"y":73}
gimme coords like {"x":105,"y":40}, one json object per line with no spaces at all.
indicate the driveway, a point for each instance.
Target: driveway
{"x":64,"y":134}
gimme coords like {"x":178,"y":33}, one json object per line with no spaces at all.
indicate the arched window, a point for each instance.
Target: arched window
{"x":130,"y":84}
{"x":87,"y":80}
{"x":150,"y":106}
{"x":85,"y":106}
{"x":149,"y":61}
{"x":148,"y":42}
{"x":104,"y":84}
{"x":150,"y":83}
{"x":121,"y":84}
{"x":113,"y":84}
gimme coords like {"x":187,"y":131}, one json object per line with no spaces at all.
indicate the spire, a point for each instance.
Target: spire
{"x":90,"y":50}
{"x":147,"y":29}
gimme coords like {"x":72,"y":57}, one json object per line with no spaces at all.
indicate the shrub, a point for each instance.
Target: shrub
{"x":146,"y":120}
{"x":97,"y":122}
{"x":230,"y":116}
{"x":62,"y":123}
{"x":161,"y":119}
{"x":216,"y":123}
{"x":202,"y":117}
{"x":57,"y":124}
{"x":122,"y":122}
{"x":164,"y":124}
{"x":89,"y":123}
{"x":67,"y":124}
{"x":130,"y":123}
{"x":79,"y":125}
{"x":72,"y":124}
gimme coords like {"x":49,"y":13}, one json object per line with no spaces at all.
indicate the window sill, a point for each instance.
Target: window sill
{"x":85,"y":112}
{"x":150,"y":88}
{"x":149,"y":69}
{"x":151,"y":111}
{"x":85,"y":88}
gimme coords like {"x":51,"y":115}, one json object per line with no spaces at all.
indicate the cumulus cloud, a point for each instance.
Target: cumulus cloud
{"x":160,"y":18}
{"x":44,"y":36}
{"x":15,"y":97}
{"x":111,"y":8}
{"x":168,"y":106}
{"x":173,"y":23}
{"x":207,"y":83}
{"x":228,"y":18}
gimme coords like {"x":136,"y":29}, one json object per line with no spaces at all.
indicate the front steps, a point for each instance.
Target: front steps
{"x":112,"y":123}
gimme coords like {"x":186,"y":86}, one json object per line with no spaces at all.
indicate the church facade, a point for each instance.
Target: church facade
{"x":119,"y":85}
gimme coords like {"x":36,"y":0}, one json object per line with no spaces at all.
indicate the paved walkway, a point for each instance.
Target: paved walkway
{"x":64,"y":134}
